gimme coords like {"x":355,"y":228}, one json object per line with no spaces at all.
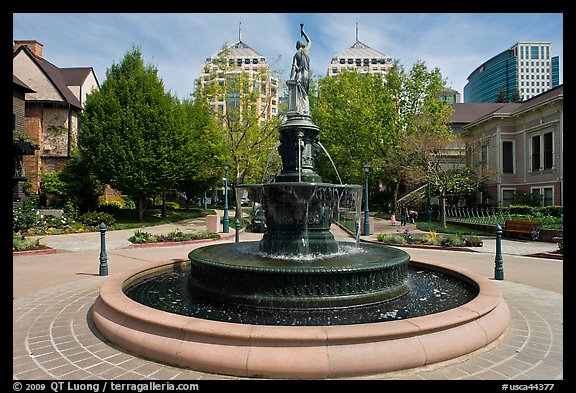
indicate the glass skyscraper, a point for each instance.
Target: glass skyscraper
{"x":521,"y":72}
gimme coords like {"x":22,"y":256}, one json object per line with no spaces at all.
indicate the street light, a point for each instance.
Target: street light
{"x":226,"y":221}
{"x":428,"y":202}
{"x":366,"y":168}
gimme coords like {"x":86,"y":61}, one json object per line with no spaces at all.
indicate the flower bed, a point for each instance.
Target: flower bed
{"x":431,"y":239}
{"x":141,"y":237}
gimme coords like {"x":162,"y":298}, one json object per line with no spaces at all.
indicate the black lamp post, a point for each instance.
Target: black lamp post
{"x":428,"y":203}
{"x":226,"y":221}
{"x":366,"y":168}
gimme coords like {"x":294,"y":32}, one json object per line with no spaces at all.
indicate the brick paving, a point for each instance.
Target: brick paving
{"x":54,"y":338}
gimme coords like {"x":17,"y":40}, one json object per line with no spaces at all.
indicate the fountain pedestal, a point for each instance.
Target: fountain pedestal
{"x":298,"y":263}
{"x":298,"y":206}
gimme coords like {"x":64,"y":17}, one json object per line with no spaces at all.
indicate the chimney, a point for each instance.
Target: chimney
{"x":34,"y":46}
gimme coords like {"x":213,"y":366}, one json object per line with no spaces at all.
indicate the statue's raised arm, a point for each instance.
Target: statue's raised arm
{"x":303,"y":34}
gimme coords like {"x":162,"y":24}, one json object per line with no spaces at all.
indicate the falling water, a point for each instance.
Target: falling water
{"x":330,"y":158}
{"x":300,"y":148}
{"x":269,"y":161}
{"x":357,"y":203}
{"x":305,"y":236}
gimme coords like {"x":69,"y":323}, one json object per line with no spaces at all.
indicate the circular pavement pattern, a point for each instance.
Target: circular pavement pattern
{"x":54,"y":339}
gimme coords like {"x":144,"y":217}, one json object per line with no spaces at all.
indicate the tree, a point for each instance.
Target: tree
{"x":206,"y":151}
{"x":391,"y":124}
{"x":421,"y":122}
{"x":83,"y":188}
{"x":133,"y":133}
{"x":248,"y":134}
{"x":352,"y":112}
{"x":443,"y":179}
{"x":501,"y":97}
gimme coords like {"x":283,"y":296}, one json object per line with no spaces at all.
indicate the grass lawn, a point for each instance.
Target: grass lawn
{"x":127,"y":218}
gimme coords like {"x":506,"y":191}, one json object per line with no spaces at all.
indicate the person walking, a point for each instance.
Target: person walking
{"x":403,"y":215}
{"x":393,"y":218}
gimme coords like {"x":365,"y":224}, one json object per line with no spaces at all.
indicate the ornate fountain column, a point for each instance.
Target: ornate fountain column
{"x":298,"y":206}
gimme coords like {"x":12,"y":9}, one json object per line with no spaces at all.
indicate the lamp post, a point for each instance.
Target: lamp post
{"x":103,"y":257}
{"x":428,"y":202}
{"x":366,"y":168}
{"x":498,"y":264}
{"x":226,"y":221}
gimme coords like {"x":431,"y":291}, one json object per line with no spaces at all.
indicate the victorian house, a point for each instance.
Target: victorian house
{"x":519,"y":144}
{"x":52,"y":97}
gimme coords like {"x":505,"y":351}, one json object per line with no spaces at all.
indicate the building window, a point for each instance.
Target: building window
{"x":546,"y":195}
{"x":507,"y":157}
{"x":548,"y":151}
{"x":536,"y":153}
{"x":508,"y":197}
{"x":542,"y":151}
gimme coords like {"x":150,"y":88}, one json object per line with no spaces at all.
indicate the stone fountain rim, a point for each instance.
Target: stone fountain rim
{"x":299,"y":351}
{"x":397,"y":255}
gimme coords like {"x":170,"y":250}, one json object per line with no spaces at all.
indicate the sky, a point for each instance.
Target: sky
{"x":177,"y":44}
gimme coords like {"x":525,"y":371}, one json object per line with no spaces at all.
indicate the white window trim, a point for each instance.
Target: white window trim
{"x":502,"y":194}
{"x":540,"y":134}
{"x":541,"y":191}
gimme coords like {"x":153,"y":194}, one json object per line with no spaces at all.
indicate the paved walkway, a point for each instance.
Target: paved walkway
{"x":54,"y":338}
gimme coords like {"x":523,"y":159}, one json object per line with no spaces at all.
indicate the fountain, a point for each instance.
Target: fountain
{"x":298,"y":268}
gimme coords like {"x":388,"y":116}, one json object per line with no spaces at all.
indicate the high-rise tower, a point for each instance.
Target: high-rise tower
{"x":241,"y":58}
{"x":518,"y":73}
{"x":359,"y":57}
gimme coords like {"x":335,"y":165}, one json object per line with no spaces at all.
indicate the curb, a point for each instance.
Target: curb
{"x":548,"y":255}
{"x":35,"y":252}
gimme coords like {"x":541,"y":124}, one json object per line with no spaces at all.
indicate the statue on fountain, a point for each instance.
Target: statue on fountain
{"x":300,"y":75}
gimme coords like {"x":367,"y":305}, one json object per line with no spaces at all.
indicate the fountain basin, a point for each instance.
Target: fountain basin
{"x":238,"y":274}
{"x":298,"y":351}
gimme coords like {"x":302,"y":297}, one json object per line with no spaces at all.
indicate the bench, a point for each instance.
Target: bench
{"x":522,"y":227}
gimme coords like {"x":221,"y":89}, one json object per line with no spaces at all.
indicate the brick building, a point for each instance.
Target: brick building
{"x":21,"y":146}
{"x":51,"y":108}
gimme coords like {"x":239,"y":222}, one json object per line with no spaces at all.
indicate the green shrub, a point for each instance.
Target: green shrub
{"x":447,"y":242}
{"x":391,"y":238}
{"x":425,"y":240}
{"x":172,"y":205}
{"x":140,"y":237}
{"x":177,"y":236}
{"x":24,"y":217}
{"x":96,"y":218}
{"x":21,"y":243}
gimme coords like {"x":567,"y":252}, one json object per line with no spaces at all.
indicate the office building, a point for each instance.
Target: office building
{"x":242,"y":58}
{"x":359,"y":57}
{"x":451,"y":96}
{"x":519,"y":73}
